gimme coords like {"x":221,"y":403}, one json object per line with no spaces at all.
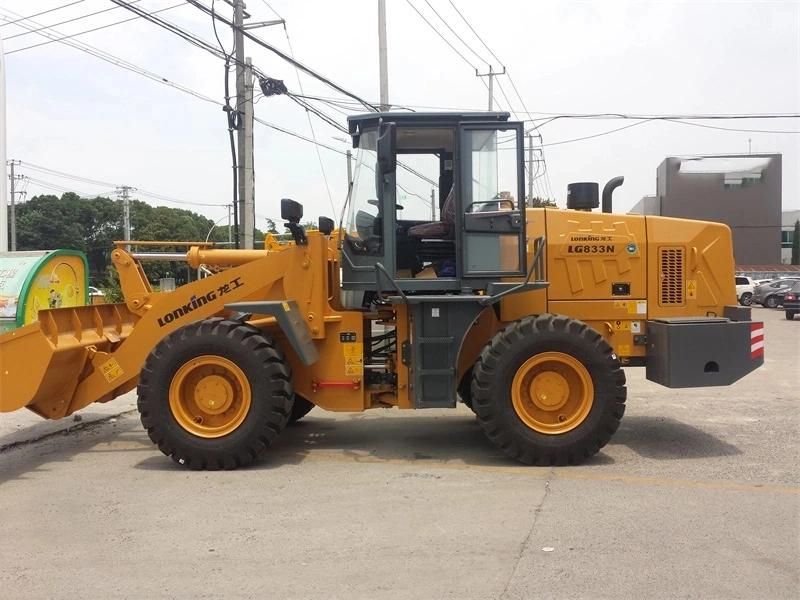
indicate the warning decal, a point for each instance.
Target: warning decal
{"x":353,"y":358}
{"x":111,"y":370}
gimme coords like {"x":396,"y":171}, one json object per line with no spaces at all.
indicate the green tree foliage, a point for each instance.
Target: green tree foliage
{"x":538,"y":202}
{"x":91,"y":225}
{"x":796,"y":243}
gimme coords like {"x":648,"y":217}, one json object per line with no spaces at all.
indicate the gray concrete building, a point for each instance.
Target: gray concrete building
{"x":740,"y":190}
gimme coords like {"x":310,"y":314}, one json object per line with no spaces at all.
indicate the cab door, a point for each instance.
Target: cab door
{"x":491,"y":201}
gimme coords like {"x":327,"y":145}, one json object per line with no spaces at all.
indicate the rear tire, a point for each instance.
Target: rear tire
{"x":746,"y":299}
{"x":569,"y":361}
{"x":771,"y":302}
{"x":790,"y":315}
{"x":215,"y":394}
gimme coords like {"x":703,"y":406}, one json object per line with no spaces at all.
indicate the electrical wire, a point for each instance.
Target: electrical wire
{"x":72,"y":35}
{"x":44,"y":12}
{"x":284,"y":56}
{"x":308,"y":116}
{"x":16,"y":35}
{"x":437,"y":32}
{"x":111,"y":59}
{"x":458,"y":37}
{"x":88,"y":180}
{"x":47,"y":170}
{"x":480,"y":39}
{"x":231,"y":118}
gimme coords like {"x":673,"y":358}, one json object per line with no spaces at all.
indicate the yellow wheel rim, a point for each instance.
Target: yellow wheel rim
{"x":552,"y":392}
{"x":210,"y":396}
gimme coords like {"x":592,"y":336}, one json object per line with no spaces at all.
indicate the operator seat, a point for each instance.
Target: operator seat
{"x":438,"y":230}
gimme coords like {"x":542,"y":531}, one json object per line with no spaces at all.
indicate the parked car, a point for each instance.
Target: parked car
{"x":744,"y":290}
{"x":791,"y":301}
{"x":771,"y":294}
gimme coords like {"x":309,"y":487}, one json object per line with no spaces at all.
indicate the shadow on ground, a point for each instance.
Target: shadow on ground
{"x":437,"y":439}
{"x":662,"y":438}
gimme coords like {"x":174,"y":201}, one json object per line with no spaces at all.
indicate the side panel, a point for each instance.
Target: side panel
{"x":691,"y":267}
{"x":336,"y":381}
{"x":595,"y":256}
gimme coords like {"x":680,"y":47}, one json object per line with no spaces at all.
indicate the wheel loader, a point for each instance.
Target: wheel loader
{"x":528,"y":316}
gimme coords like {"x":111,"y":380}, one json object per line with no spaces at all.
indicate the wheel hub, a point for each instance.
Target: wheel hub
{"x":214,"y":394}
{"x":549,"y":390}
{"x":552,"y":393}
{"x":209,"y":396}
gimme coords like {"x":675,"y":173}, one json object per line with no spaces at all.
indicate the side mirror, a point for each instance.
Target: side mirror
{"x":387,"y":148}
{"x":291,"y":211}
{"x":325,"y":225}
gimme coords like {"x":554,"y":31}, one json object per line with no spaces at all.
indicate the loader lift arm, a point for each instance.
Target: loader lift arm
{"x":76,"y":356}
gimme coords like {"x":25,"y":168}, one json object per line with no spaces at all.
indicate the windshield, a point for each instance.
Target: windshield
{"x":362,"y":225}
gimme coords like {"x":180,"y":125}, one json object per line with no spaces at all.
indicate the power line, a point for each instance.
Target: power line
{"x":453,"y":31}
{"x":728,"y":128}
{"x":589,"y":137}
{"x":463,"y":18}
{"x":98,"y":12}
{"x":112,"y":59}
{"x":282,"y":55}
{"x":42,"y":169}
{"x":437,"y":32}
{"x":44,"y":12}
{"x":72,"y":35}
{"x":308,"y":115}
{"x":101,"y":183}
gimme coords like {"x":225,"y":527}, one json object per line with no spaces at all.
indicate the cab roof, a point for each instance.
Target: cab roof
{"x":424,"y":119}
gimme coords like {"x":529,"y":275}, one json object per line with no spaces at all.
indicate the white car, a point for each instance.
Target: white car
{"x":744,"y":290}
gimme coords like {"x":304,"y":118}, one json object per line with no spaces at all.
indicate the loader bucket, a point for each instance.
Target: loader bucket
{"x":41,"y":364}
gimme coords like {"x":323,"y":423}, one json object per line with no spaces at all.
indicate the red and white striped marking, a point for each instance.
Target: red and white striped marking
{"x":756,"y":340}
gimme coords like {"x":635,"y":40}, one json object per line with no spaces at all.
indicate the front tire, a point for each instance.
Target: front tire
{"x":549,"y":390}
{"x":215,"y":394}
{"x":771,"y":302}
{"x":300,"y":409}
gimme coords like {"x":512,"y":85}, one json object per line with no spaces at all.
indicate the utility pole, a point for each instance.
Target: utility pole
{"x":530,"y":170}
{"x":491,"y":75}
{"x":246,"y":210}
{"x":241,"y":121}
{"x":383,"y":56}
{"x":124,"y":193}
{"x":12,"y":212}
{"x":433,"y":204}
{"x":246,"y":175}
{"x":230,"y":208}
{"x":3,"y":212}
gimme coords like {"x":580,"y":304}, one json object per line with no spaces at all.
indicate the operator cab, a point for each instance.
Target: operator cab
{"x":437,"y":202}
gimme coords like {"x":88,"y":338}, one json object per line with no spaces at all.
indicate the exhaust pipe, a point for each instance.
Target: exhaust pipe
{"x":608,"y":189}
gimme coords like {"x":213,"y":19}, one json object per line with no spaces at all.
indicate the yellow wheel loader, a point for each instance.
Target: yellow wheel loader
{"x":527,"y":315}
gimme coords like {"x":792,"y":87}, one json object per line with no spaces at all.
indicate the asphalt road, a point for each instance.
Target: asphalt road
{"x":697,"y":496}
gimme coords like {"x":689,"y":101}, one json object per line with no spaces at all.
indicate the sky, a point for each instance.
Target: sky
{"x":71,"y":112}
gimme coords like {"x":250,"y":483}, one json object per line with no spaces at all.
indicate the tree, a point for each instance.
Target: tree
{"x":271,"y":228}
{"x":796,"y":243}
{"x":538,"y":202}
{"x":91,"y":225}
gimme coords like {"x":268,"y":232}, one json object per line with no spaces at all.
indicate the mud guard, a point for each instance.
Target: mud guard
{"x":289,"y":320}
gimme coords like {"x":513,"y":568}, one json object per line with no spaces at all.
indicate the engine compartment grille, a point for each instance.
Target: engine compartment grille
{"x":671,"y":276}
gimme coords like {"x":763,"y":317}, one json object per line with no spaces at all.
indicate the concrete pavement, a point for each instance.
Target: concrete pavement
{"x":697,"y":496}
